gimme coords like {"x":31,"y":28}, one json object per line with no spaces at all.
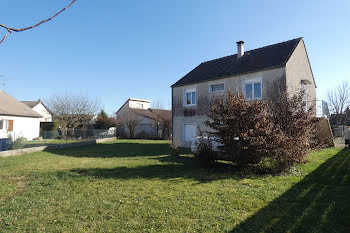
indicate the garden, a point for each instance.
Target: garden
{"x":137,"y":186}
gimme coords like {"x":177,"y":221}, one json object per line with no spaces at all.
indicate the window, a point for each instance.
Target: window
{"x":139,"y":105}
{"x":190,"y":97}
{"x":217,"y":87}
{"x":252,"y":89}
{"x":6,"y":125}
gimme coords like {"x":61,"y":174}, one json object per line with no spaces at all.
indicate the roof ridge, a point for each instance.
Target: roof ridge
{"x":266,"y":46}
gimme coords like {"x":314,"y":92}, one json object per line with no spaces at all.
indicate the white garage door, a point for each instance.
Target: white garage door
{"x":189,"y":132}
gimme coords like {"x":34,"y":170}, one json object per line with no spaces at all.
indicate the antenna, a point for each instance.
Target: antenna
{"x":3,"y":81}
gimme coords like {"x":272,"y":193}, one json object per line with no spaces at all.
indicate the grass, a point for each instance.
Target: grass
{"x":46,"y":142}
{"x":136,"y":186}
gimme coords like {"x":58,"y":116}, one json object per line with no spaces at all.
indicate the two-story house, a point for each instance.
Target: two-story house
{"x":261,"y":73}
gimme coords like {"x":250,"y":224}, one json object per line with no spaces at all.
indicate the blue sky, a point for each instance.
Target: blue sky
{"x":114,"y":49}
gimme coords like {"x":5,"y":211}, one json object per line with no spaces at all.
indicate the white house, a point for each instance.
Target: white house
{"x":17,"y":119}
{"x":40,"y":108}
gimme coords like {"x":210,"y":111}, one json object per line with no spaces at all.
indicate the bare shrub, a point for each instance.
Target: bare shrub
{"x":276,"y":133}
{"x":131,"y":121}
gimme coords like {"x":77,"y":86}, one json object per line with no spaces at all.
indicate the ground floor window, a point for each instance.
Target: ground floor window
{"x":189,"y":132}
{"x":6,"y":125}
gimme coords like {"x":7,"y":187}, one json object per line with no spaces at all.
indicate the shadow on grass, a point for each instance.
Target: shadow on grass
{"x":119,"y":149}
{"x":172,"y":167}
{"x":318,"y":203}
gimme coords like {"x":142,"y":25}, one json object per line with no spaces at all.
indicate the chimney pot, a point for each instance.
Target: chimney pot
{"x":240,"y":48}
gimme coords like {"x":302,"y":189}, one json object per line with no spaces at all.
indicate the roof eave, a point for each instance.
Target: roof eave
{"x":17,"y":115}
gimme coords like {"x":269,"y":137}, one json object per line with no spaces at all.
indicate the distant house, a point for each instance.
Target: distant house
{"x":39,"y":107}
{"x":151,"y":122}
{"x":17,"y":119}
{"x":261,"y":73}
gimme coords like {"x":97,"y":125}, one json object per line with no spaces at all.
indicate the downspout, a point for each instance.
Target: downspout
{"x":172,"y":115}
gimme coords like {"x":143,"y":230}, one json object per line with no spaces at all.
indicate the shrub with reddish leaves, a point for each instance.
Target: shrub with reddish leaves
{"x":272,"y":135}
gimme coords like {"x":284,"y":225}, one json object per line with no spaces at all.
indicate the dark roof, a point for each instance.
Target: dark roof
{"x":272,"y":56}
{"x":31,"y":104}
{"x":153,"y":113}
{"x":11,"y":107}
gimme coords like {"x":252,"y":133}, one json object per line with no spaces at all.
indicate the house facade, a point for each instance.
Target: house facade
{"x":17,"y":119}
{"x":39,"y":107}
{"x":261,"y":73}
{"x":150,"y":122}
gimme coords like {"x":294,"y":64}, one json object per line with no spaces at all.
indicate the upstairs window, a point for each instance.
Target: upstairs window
{"x":190,"y":97}
{"x":252,"y":89}
{"x":139,"y":105}
{"x":217,"y":87}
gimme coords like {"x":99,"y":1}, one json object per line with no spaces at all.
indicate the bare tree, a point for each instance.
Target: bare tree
{"x":339,"y":99}
{"x":10,"y":30}
{"x":73,"y":110}
{"x":157,"y":104}
{"x":131,"y":121}
{"x":162,"y":124}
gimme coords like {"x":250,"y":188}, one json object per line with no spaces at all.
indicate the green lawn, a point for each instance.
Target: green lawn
{"x":47,"y":142}
{"x":136,"y":186}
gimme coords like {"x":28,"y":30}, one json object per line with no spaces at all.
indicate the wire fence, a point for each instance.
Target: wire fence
{"x":48,"y":138}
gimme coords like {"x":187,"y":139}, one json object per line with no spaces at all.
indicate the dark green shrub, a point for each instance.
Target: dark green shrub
{"x":204,"y":151}
{"x":48,"y":126}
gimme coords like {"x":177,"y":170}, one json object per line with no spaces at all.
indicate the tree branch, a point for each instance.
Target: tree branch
{"x":11,"y":29}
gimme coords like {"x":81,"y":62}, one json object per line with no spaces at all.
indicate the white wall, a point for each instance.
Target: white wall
{"x":139,"y":104}
{"x":39,"y":108}
{"x":28,"y":127}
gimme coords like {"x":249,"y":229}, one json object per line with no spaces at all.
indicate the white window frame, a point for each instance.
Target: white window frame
{"x":184,"y":133}
{"x":5,"y":125}
{"x":216,"y":83}
{"x":189,"y":90}
{"x":252,"y":81}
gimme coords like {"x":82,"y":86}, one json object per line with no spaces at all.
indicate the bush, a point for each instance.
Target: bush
{"x":18,"y":143}
{"x":275,"y":133}
{"x":204,"y":151}
{"x":48,"y":126}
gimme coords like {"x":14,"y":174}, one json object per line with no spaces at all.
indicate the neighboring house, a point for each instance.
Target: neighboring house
{"x":40,"y":108}
{"x":261,"y":73}
{"x":17,"y":119}
{"x":151,"y":123}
